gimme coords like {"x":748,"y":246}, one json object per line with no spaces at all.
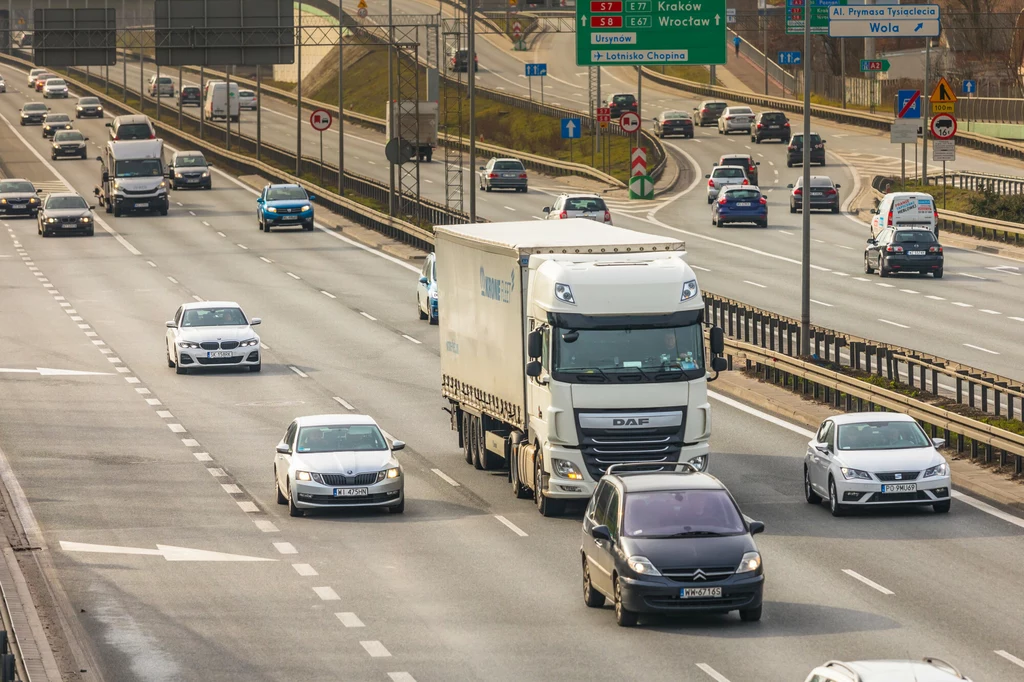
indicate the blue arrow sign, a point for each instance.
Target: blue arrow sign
{"x":536,"y":70}
{"x":908,"y":104}
{"x":970,"y":87}
{"x":790,"y":57}
{"x":571,"y":128}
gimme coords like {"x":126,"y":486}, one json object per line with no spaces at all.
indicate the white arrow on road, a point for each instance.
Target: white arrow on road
{"x":166,"y":551}
{"x":47,"y":372}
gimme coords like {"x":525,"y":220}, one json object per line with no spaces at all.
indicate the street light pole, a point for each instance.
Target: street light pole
{"x":805,"y":204}
{"x":471,"y":90}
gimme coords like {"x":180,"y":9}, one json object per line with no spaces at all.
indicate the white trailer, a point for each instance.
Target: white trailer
{"x":567,"y":347}
{"x":420,"y":132}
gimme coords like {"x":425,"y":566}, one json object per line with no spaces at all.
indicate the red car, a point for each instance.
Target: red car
{"x":42,"y":78}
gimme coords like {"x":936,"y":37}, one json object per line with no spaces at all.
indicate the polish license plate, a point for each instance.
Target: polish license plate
{"x":142,"y":204}
{"x":291,"y":217}
{"x":745,"y":204}
{"x":351,"y":492}
{"x":192,"y":179}
{"x":900,"y":488}
{"x":916,"y":253}
{"x":815,"y":194}
{"x":508,"y":175}
{"x":699,"y":592}
{"x":69,"y":226}
{"x":219,"y":354}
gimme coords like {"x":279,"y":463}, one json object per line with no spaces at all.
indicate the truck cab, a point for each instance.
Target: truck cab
{"x":133,"y":177}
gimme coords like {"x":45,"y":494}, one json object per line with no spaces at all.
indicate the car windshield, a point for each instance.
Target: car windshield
{"x":138,"y":168}
{"x":213,"y":317}
{"x":68,"y":136}
{"x":799,"y":139}
{"x":133,"y":131}
{"x":680,"y":513}
{"x":340,"y":437}
{"x":773,"y":118}
{"x":589,"y":204}
{"x":55,"y":81}
{"x":508,"y":165}
{"x":189,"y":90}
{"x":191,"y":160}
{"x":603,"y":355}
{"x":66,"y":202}
{"x":669,"y":115}
{"x":734,"y":161}
{"x":57,"y":118}
{"x":715,"y":106}
{"x":740,"y":110}
{"x":914,"y":236}
{"x":16,"y":186}
{"x":815,"y":181}
{"x":34,"y":107}
{"x":743,"y":195}
{"x":623,"y":99}
{"x":246,"y":93}
{"x":89,"y":100}
{"x":728,"y":173}
{"x":896,"y":435}
{"x":286,"y":194}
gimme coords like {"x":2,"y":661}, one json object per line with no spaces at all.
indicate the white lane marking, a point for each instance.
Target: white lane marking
{"x":91,"y":334}
{"x":983,"y":350}
{"x":293,"y":275}
{"x":187,"y":442}
{"x":409,"y":338}
{"x":298,"y":371}
{"x":840,"y":274}
{"x":786,"y":232}
{"x":1017,"y":319}
{"x":989,"y":312}
{"x":264,"y":346}
{"x":247,"y":507}
{"x":509,"y":208}
{"x":818,"y":267}
{"x":327,"y":294}
{"x":761,"y":286}
{"x":1010,"y":657}
{"x":697,"y":267}
{"x":163,"y":414}
{"x":961,"y":304}
{"x":349,"y":620}
{"x":967,"y":274}
{"x":867,"y":581}
{"x":1005,"y":269}
{"x":861,"y":279}
{"x":304,"y":570}
{"x":909,"y":291}
{"x":368,"y":316}
{"x":151,"y":264}
{"x":231,"y":489}
{"x":265,"y":526}
{"x":197,"y":297}
{"x":511,"y":526}
{"x":827,"y":305}
{"x":222,"y":234}
{"x":446,"y":478}
{"x":714,"y":674}
{"x":216,"y":472}
{"x":848,"y":248}
{"x":401,"y":677}
{"x":202,"y":456}
{"x":206,"y":224}
{"x":935,"y":298}
{"x":242,"y":246}
{"x":191,"y":213}
{"x":153,"y":402}
{"x":266,"y":260}
{"x":285,"y":548}
{"x":344,"y":403}
{"x":820,"y":241}
{"x":895,"y":324}
{"x":172,"y":280}
{"x":134,"y":380}
{"x":376,"y":649}
{"x":989,"y":509}
{"x":887,"y":286}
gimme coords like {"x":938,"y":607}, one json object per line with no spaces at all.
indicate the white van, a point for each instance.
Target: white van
{"x":905,"y":209}
{"x":215,"y":101}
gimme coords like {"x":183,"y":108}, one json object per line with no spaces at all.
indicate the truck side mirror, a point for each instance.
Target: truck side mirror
{"x":105,"y":177}
{"x":534,"y":344}
{"x":719,"y":364}
{"x":100,"y":159}
{"x":717,"y":341}
{"x":533,"y":369}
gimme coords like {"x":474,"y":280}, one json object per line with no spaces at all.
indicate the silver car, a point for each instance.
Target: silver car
{"x":588,"y":206}
{"x":66,"y":212}
{"x":332,"y":461}
{"x":722,"y":176}
{"x":212,"y":334}
{"x":247,"y":100}
{"x":426,"y":290}
{"x":55,"y":87}
{"x":736,"y":119}
{"x":3,"y":84}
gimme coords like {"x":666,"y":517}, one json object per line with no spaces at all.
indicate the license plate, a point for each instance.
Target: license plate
{"x":916,"y":253}
{"x":291,"y":217}
{"x":508,"y":175}
{"x":774,"y":127}
{"x":745,"y":204}
{"x":815,"y":194}
{"x":219,"y":354}
{"x":69,"y":226}
{"x":192,"y":179}
{"x":900,"y":488}
{"x":699,"y":592}
{"x":351,"y":492}
{"x":143,"y":204}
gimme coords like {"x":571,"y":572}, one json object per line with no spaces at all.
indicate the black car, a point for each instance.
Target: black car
{"x":673,"y":123}
{"x":190,"y":95}
{"x":88,"y":107}
{"x":745,"y":161}
{"x":69,"y":143}
{"x":33,"y":113}
{"x":190,"y":169}
{"x":18,"y":197}
{"x":894,"y":251}
{"x":824,"y":194}
{"x":54,"y":123}
{"x":770,"y":125}
{"x":620,"y":103}
{"x":795,"y":151}
{"x":458,"y":60}
{"x":709,"y":112}
{"x":64,"y":213}
{"x":669,"y":541}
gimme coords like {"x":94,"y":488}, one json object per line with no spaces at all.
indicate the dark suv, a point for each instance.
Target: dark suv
{"x":893,"y":251}
{"x":795,"y":151}
{"x":709,"y":112}
{"x":665,"y":538}
{"x":458,"y":60}
{"x":190,"y":96}
{"x":745,"y":161}
{"x":620,"y":103}
{"x":770,"y":125}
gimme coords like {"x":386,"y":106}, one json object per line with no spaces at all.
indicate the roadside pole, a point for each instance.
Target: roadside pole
{"x":341,"y":109}
{"x":805,"y":205}
{"x":471,"y":89}
{"x":926,"y":110}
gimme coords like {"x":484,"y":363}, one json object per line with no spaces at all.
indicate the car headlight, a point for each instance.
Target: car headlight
{"x":939,"y":470}
{"x":303,"y":476}
{"x":700,"y":462}
{"x":99,"y":108}
{"x":849,"y":473}
{"x":78,"y":108}
{"x":641,"y":565}
{"x":86,"y":219}
{"x":24,"y":115}
{"x":46,"y":127}
{"x":750,"y":563}
{"x":33,"y":200}
{"x":271,"y":209}
{"x":249,"y":342}
{"x":394,"y":473}
{"x":3,"y":201}
{"x":188,"y":344}
{"x":51,"y":220}
{"x":177,"y":174}
{"x":206,"y":174}
{"x":305,"y":208}
{"x":56,"y":146}
{"x":566,"y":469}
{"x":689,"y":290}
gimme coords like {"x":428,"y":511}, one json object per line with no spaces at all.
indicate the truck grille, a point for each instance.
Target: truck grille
{"x":609,"y":437}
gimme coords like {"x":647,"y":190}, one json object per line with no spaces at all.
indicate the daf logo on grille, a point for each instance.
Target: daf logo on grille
{"x":899,"y":477}
{"x":642,"y":421}
{"x":699,"y":575}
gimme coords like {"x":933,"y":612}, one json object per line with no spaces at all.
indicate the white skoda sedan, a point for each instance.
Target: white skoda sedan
{"x":870,"y":459}
{"x":212,"y":334}
{"x":334,"y":461}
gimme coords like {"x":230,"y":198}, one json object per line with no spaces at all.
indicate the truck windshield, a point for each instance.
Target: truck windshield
{"x":138,"y":168}
{"x":628,"y":355}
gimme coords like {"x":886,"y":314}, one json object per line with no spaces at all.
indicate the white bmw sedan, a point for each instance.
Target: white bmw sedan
{"x":869,"y":459}
{"x":212,"y":334}
{"x":331,"y":461}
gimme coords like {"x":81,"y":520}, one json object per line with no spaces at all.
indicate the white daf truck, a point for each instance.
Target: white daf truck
{"x":571,"y":346}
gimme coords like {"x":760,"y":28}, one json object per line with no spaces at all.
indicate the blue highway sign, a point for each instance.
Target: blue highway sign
{"x":536,"y":69}
{"x":571,"y":128}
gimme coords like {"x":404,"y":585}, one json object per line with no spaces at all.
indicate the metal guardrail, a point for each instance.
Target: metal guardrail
{"x":1000,"y":184}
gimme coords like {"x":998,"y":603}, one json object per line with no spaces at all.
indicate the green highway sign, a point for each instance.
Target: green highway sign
{"x":874,"y":65}
{"x":819,"y":15}
{"x":634,"y":32}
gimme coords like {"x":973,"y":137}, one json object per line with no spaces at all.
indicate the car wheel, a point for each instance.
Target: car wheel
{"x":882,"y":270}
{"x":809,"y":494}
{"x":398,"y":508}
{"x":53,"y":157}
{"x":423,"y":315}
{"x":710,"y":200}
{"x":789,"y":164}
{"x":764,"y":223}
{"x":937,"y":274}
{"x":292,"y":509}
{"x":714,"y":221}
{"x":941,"y":507}
{"x":281,"y":499}
{"x":591,"y":597}
{"x":308,"y":227}
{"x":792,"y":208}
{"x":624,"y":617}
{"x":834,"y":506}
{"x":170,"y":362}
{"x":163,"y":211}
{"x":117,"y":211}
{"x":257,"y":367}
{"x":868,"y":270}
{"x":835,"y":209}
{"x":751,"y":615}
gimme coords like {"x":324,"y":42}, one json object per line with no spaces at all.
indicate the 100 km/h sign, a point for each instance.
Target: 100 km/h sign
{"x":633,"y":32}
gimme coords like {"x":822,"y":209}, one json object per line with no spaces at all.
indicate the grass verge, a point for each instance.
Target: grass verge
{"x":982,"y":203}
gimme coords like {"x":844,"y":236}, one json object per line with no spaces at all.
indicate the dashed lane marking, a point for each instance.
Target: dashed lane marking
{"x":327,"y":294}
{"x":895,"y":324}
{"x":344,"y":403}
{"x":305,"y":570}
{"x":446,"y":478}
{"x":231,"y":489}
{"x":349,"y":620}
{"x":265,"y":526}
{"x":760,"y":286}
{"x":409,"y":338}
{"x":368,"y":316}
{"x":714,"y":674}
{"x":265,"y":259}
{"x":285,"y":548}
{"x":327,"y":593}
{"x":293,"y":275}
{"x":511,"y":526}
{"x":376,"y":649}
{"x":298,"y":371}
{"x":867,"y":581}
{"x":983,"y":350}
{"x":1010,"y":657}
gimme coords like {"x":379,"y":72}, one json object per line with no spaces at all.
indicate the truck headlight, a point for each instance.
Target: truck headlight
{"x":750,"y":563}
{"x":162,"y":185}
{"x":641,"y":565}
{"x":566,"y":469}
{"x":701,"y":463}
{"x":563,"y":292}
{"x":689,"y":290}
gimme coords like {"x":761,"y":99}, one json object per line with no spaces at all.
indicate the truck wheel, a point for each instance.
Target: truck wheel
{"x":476,"y":440}
{"x":117,"y":211}
{"x":545,"y":505}
{"x":520,"y":491}
{"x":467,"y":447}
{"x":488,"y":460}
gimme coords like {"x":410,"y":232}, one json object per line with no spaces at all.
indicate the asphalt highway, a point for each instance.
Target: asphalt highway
{"x":469,"y":584}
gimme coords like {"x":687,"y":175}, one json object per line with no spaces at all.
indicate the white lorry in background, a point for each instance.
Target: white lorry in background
{"x":216,"y":101}
{"x":568,"y":348}
{"x":421,"y":133}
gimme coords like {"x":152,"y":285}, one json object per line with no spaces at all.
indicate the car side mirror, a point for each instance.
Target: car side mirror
{"x":312,"y":197}
{"x":874,"y":211}
{"x":533,"y":369}
{"x":789,"y":186}
{"x":871,"y":240}
{"x":695,"y":109}
{"x":170,"y":324}
{"x":837,"y":186}
{"x":284,"y":449}
{"x":717,"y":340}
{"x":110,"y":125}
{"x":92,"y":208}
{"x":100,"y":159}
{"x":483,"y":168}
{"x":939,"y":442}
{"x":823,"y":141}
{"x":397,"y":445}
{"x":86,"y":139}
{"x":764,"y":196}
{"x":423,"y":280}
{"x":39,"y":191}
{"x":822,"y":448}
{"x":601,"y":533}
{"x":757,"y":163}
{"x":756,"y":527}
{"x":255,"y":321}
{"x":547,"y":209}
{"x":259,"y":200}
{"x":707,"y":176}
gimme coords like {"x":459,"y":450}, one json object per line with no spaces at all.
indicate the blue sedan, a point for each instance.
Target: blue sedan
{"x":284,"y":205}
{"x":740,"y":205}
